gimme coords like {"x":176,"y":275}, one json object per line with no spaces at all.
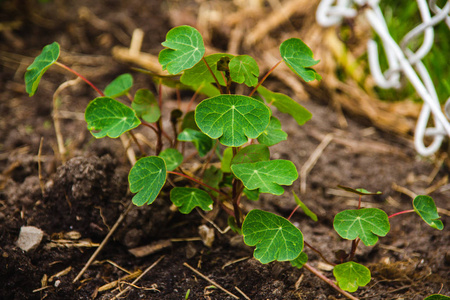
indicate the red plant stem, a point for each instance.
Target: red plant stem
{"x":355,"y":244}
{"x":192,"y":99}
{"x":149,"y":125}
{"x":199,"y":182}
{"x":214,"y":76}
{"x":359,"y":202}
{"x":137,"y":143}
{"x":401,"y":212}
{"x":318,"y":252}
{"x":292,"y":213}
{"x":81,"y":76}
{"x":329,"y":281}
{"x":264,"y":78}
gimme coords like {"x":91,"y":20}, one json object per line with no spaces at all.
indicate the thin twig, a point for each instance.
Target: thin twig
{"x":210,"y":281}
{"x":41,"y":179}
{"x":312,"y":160}
{"x":139,"y":278}
{"x":242,"y":293}
{"x":105,"y":240}
{"x":328,"y":281}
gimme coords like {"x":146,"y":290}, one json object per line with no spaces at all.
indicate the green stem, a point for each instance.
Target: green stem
{"x":199,"y":182}
{"x":401,"y":212}
{"x":265,"y":77}
{"x":214,"y":76}
{"x":81,"y":76}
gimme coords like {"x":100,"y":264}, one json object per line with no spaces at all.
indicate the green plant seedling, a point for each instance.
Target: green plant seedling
{"x":275,"y":237}
{"x":366,"y":224}
{"x":244,"y":124}
{"x":351,"y":275}
{"x":437,"y":297}
{"x":119,"y":86}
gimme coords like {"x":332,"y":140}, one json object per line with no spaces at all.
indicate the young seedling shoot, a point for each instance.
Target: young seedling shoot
{"x":245,"y":126}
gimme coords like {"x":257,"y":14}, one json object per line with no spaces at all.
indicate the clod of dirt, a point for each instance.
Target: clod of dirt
{"x":29,"y":238}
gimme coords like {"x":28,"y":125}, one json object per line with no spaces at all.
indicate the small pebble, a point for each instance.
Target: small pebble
{"x":29,"y":238}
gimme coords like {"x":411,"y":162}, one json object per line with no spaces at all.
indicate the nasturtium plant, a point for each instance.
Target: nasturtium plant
{"x":351,"y":275}
{"x":275,"y":237}
{"x":40,"y":65}
{"x":147,"y":178}
{"x":172,"y":157}
{"x":119,"y":86}
{"x":299,"y":58}
{"x":244,"y":69}
{"x":424,"y":206}
{"x":146,"y":106}
{"x":268,"y":176}
{"x":185,"y":48}
{"x":273,"y":134}
{"x":241,"y":165}
{"x":108,"y":117}
{"x":186,"y":199}
{"x":233,"y":119}
{"x":366,"y":224}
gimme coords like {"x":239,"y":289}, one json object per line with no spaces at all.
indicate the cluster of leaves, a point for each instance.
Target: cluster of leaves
{"x":246,"y":128}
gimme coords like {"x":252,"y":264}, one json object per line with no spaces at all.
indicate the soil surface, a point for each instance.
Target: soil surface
{"x":76,"y":203}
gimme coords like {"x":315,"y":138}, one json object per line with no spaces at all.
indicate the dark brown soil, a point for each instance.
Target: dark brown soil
{"x":89,"y":192}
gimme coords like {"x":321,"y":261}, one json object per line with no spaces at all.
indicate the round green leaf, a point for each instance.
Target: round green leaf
{"x":200,"y":73}
{"x":41,"y":63}
{"x":172,"y":157}
{"x":119,"y":86}
{"x":232,"y":118}
{"x":201,"y":141}
{"x":299,"y":58}
{"x":286,"y":105}
{"x":251,"y":153}
{"x":275,"y":237}
{"x":244,"y":69}
{"x":300,"y":261}
{"x":266,"y":175}
{"x":109,"y":117}
{"x":364,"y":223}
{"x":146,"y":106}
{"x":351,"y":275}
{"x":146,"y":178}
{"x":425,"y":207}
{"x":273,"y":133}
{"x":185,"y":49}
{"x":186,"y":199}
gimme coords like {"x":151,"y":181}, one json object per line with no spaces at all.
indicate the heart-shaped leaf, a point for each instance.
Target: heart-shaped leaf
{"x":286,"y":105}
{"x":273,"y":133}
{"x":251,"y":153}
{"x":266,"y":175}
{"x":200,"y":73}
{"x":425,"y":207}
{"x":299,"y":58}
{"x":244,"y":69}
{"x":351,"y":275}
{"x":275,"y":237}
{"x":146,"y":178}
{"x":41,"y":63}
{"x":201,"y":141}
{"x":233,"y":119}
{"x":300,"y":261}
{"x":364,"y":223}
{"x":109,"y":117}
{"x":186,"y":199}
{"x":305,"y":208}
{"x":146,"y":106}
{"x":185,"y":49}
{"x":119,"y":86}
{"x":172,"y":157}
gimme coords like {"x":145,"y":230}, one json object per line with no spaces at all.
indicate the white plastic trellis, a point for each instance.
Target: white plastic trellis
{"x":401,"y":59}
